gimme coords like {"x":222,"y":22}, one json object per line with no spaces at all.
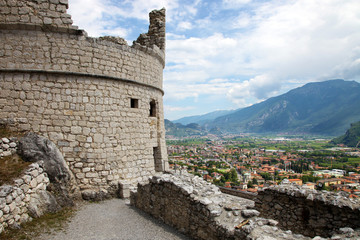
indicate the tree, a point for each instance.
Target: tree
{"x":266,"y":176}
{"x":233,"y":175}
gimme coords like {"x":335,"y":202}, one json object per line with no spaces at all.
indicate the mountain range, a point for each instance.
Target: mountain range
{"x":318,"y":108}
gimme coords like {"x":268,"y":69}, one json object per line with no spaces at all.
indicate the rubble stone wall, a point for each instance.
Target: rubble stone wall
{"x":234,"y":192}
{"x":19,"y":201}
{"x":309,"y":212}
{"x":189,"y":204}
{"x":99,"y":100}
{"x":199,"y":209}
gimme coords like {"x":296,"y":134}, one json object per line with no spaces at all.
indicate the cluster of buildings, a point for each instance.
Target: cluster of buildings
{"x":258,"y":167}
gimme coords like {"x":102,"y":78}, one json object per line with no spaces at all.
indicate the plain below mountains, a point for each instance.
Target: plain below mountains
{"x":319,"y":108}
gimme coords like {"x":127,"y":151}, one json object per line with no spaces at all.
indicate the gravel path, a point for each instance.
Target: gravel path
{"x":113,"y":220}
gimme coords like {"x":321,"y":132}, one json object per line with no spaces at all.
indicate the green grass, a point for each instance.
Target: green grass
{"x":354,"y":160}
{"x":221,"y":170}
{"x":47,"y":223}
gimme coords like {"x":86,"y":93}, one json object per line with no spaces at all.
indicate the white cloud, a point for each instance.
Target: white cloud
{"x":304,"y":40}
{"x":201,"y":54}
{"x":242,"y":21}
{"x":177,"y":109}
{"x":184,"y":26}
{"x":242,"y":49}
{"x":88,"y":15}
{"x":140,"y":8}
{"x":235,"y":3}
{"x":258,"y":88}
{"x":101,"y":17}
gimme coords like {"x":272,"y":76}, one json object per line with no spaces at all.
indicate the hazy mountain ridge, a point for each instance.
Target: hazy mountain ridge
{"x":203,"y":119}
{"x":324,"y":108}
{"x":180,"y":130}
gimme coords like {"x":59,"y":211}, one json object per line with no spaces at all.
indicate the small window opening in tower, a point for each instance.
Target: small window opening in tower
{"x":152,"y":108}
{"x":134,"y":103}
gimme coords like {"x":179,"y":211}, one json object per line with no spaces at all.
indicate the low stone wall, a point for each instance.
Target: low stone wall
{"x":23,"y":199}
{"x":247,"y":195}
{"x":7,"y":146}
{"x":199,"y":209}
{"x":308,"y":212}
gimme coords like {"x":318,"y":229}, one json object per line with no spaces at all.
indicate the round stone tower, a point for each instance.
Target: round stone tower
{"x":98,"y":99}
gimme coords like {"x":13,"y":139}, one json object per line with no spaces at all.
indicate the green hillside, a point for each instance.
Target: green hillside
{"x":179,"y":130}
{"x":351,"y":138}
{"x":322,"y":108}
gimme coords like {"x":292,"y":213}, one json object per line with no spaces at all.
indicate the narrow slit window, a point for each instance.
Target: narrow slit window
{"x":134,"y":103}
{"x":153,"y":108}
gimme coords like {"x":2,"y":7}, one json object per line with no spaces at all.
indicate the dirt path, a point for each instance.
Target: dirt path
{"x":113,"y":220}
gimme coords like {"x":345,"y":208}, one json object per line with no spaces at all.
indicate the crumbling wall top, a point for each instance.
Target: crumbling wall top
{"x":338,"y":199}
{"x":156,"y":32}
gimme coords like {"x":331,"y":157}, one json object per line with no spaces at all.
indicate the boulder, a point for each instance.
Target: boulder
{"x":35,"y":148}
{"x":42,"y":203}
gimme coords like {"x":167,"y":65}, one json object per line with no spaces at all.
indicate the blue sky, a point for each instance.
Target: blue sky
{"x":229,"y":54}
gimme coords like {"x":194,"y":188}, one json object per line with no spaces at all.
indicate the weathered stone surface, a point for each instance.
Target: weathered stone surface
{"x":206,"y":213}
{"x":248,"y":213}
{"x":34,"y":148}
{"x":5,"y":190}
{"x":308,"y":212}
{"x":44,"y":202}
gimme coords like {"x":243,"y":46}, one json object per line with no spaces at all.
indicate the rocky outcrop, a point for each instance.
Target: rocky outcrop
{"x":33,"y":148}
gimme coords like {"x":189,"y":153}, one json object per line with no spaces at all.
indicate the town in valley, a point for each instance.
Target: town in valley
{"x":248,"y":163}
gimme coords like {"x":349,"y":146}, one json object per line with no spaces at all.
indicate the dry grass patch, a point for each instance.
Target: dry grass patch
{"x":12,"y":166}
{"x":48,"y":223}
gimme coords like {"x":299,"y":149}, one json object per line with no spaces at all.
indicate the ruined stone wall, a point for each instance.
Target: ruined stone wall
{"x":98,"y":100}
{"x":309,"y":212}
{"x":199,"y":210}
{"x":21,"y":201}
{"x":234,"y":192}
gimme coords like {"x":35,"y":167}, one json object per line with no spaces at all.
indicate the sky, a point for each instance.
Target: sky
{"x":230,"y":54}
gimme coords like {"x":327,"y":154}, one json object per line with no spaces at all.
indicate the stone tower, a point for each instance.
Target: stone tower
{"x":98,"y":99}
